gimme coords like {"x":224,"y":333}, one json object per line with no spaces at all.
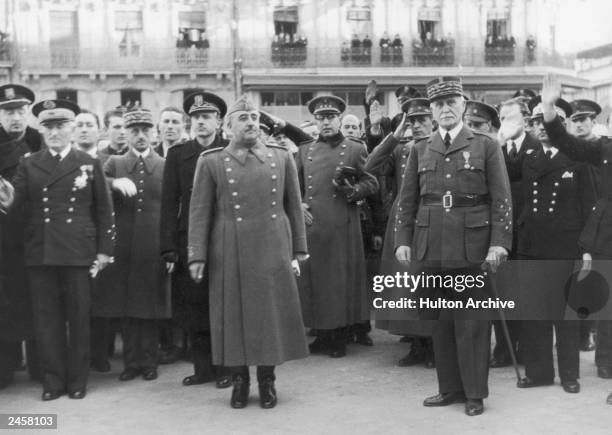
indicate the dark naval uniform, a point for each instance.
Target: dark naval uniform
{"x":596,"y":237}
{"x":68,"y":221}
{"x":454,"y":204}
{"x":16,"y":306}
{"x":558,"y":196}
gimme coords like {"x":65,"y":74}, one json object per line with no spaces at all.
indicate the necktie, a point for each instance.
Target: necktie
{"x":513,"y":154}
{"x":549,"y":154}
{"x":447,"y":140}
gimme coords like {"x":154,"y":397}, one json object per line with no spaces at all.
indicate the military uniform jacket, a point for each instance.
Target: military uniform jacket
{"x":458,"y":236}
{"x":246,"y":223}
{"x":389,"y":160}
{"x":333,"y":285}
{"x":135,"y":284}
{"x":15,"y":306}
{"x":68,"y":210}
{"x":559,"y":194}
{"x":597,"y":234}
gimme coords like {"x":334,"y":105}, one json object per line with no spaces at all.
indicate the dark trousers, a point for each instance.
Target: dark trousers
{"x":264,"y":373}
{"x":538,"y":349}
{"x":100,"y":334}
{"x":140,"y":343}
{"x":501,"y":351}
{"x":461,"y":341}
{"x":10,"y":360}
{"x":61,"y":300}
{"x":603,"y":352}
{"x":201,"y":352}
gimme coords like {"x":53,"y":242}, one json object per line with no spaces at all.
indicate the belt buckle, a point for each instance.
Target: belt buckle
{"x":447,"y":201}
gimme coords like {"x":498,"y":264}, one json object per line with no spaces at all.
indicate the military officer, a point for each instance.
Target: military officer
{"x":453,"y":214}
{"x":389,"y":160}
{"x":582,"y":122}
{"x":524,"y":96}
{"x":333,"y":285}
{"x":480,"y":116}
{"x":16,"y":140}
{"x":190,"y":299}
{"x":245,"y":220}
{"x":69,"y":229}
{"x":596,"y":237}
{"x":137,"y":290}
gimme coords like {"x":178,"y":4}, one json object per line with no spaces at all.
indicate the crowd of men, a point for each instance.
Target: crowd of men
{"x":243,"y":231}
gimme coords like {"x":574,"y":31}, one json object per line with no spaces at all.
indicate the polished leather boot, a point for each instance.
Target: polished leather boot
{"x":240,"y":393}
{"x":267,"y":394}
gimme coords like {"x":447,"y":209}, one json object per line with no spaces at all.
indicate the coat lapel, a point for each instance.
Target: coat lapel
{"x":66,"y":166}
{"x":45,"y":161}
{"x":436,"y":143}
{"x":461,"y":141}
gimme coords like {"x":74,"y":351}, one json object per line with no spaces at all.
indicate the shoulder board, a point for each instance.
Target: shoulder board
{"x":276,"y":146}
{"x":210,"y":151}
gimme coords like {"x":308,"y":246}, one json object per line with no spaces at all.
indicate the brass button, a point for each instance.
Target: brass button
{"x":273,"y":203}
{"x":47,"y":220}
{"x":447,"y":159}
{"x":238,"y":219}
{"x":273,"y":165}
{"x":274,"y":177}
{"x":448,"y":175}
{"x":231,"y":181}
{"x":72,"y":199}
{"x":71,"y":209}
{"x":45,"y":189}
{"x":46,"y":210}
{"x":237,"y":206}
{"x":535,"y":210}
{"x":68,"y":221}
{"x":45,"y":199}
{"x":273,"y":216}
{"x":228,"y":169}
{"x":234,"y":193}
{"x":274,"y":190}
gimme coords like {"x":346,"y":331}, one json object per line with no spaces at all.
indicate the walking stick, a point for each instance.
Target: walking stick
{"x":487,"y":268}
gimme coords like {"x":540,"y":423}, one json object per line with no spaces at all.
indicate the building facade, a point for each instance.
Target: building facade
{"x":105,"y":53}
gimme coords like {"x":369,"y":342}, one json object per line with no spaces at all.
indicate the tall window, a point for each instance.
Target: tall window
{"x":67,"y":94}
{"x":192,"y":30}
{"x":64,"y":38}
{"x":497,"y":24}
{"x":128,"y":25}
{"x":131,"y":98}
{"x":286,"y":20}
{"x":285,"y":98}
{"x":429,"y":24}
{"x":360,"y":20}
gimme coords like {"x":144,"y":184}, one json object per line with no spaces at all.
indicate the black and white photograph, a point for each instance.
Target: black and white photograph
{"x":306,"y":216}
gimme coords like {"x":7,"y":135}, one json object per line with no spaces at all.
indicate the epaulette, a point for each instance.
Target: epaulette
{"x":276,"y":146}
{"x":355,"y":139}
{"x":210,"y":151}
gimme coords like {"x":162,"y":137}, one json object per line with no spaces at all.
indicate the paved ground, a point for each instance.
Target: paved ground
{"x":362,"y":393}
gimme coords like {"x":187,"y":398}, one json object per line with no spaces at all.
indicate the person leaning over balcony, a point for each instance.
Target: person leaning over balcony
{"x":333,"y":285}
{"x":16,"y":140}
{"x":596,"y":237}
{"x":453,"y":216}
{"x":251,"y":246}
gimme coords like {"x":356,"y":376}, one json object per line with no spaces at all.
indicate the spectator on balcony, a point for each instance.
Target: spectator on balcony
{"x":302,"y":41}
{"x":385,"y":48}
{"x":449,"y":41}
{"x":367,"y":49}
{"x":356,"y":49}
{"x":489,"y":41}
{"x":396,"y":49}
{"x":202,"y":43}
{"x":429,"y":41}
{"x":345,"y":53}
{"x":531,"y":46}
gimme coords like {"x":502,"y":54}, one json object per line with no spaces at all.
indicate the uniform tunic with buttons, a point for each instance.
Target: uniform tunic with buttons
{"x":246,"y":223}
{"x":389,"y":159}
{"x":136,"y":283}
{"x":597,"y":235}
{"x":454,"y":237}
{"x":333,"y":286}
{"x":68,"y":211}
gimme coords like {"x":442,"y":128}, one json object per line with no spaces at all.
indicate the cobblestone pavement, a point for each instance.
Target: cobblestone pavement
{"x":364,"y":392}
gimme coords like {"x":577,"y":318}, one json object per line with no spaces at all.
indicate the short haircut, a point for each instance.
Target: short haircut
{"x":173,"y":109}
{"x":515,"y":102}
{"x":116,"y":113}
{"x":89,"y":112}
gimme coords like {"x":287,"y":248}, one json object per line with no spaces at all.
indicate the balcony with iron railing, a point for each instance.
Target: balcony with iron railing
{"x":123,"y":58}
{"x":170,"y":59}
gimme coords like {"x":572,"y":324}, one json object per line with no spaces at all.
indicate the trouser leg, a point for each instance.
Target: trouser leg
{"x":568,"y":349}
{"x":473,"y":338}
{"x":265,"y":373}
{"x":100,"y":333}
{"x":603,"y":352}
{"x":149,"y":343}
{"x":538,"y":355}
{"x":130,"y":334}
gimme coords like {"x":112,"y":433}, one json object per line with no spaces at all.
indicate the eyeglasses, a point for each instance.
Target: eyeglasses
{"x":323,"y":116}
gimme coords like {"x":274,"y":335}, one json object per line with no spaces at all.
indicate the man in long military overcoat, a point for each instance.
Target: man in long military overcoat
{"x":453,"y":213}
{"x":190,"y":307}
{"x":16,"y":140}
{"x":68,"y":230}
{"x":137,"y":288}
{"x":246,"y":223}
{"x":333,"y":286}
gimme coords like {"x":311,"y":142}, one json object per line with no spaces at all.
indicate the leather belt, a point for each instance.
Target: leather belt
{"x":451,"y":200}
